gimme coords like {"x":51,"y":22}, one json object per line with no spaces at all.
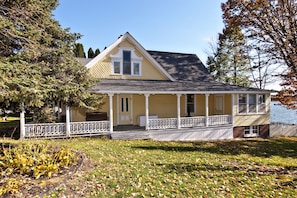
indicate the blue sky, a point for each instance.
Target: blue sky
{"x":185,"y":26}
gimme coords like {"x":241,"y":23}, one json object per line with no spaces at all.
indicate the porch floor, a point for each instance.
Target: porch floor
{"x":129,"y":132}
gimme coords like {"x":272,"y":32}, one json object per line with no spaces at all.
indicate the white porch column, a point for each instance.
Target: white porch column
{"x":206,"y":109}
{"x":178,"y":110}
{"x":67,"y":121}
{"x":110,"y":112}
{"x":146,"y":111}
{"x":22,"y":122}
{"x":232,"y":109}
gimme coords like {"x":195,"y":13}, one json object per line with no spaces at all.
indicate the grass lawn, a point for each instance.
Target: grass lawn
{"x":245,"y":168}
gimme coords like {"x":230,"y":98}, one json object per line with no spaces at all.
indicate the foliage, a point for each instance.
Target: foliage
{"x":91,"y":53}
{"x":32,"y":160}
{"x":229,"y":62}
{"x":79,"y":50}
{"x":97,"y":52}
{"x":239,"y":168}
{"x":37,"y":64}
{"x":272,"y":24}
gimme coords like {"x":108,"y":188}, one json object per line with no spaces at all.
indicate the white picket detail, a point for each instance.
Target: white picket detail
{"x":219,"y":120}
{"x":45,"y":130}
{"x":58,"y":130}
{"x":87,"y":128}
{"x":186,"y":122}
{"x":190,"y":122}
{"x":163,"y":123}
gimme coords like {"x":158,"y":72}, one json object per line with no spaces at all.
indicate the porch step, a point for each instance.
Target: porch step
{"x":130,"y":135}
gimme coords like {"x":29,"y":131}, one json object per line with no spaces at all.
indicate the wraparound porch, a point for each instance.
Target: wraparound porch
{"x":159,"y":129}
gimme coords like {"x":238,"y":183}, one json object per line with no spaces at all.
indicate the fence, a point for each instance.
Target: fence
{"x":58,"y":130}
{"x":188,"y":122}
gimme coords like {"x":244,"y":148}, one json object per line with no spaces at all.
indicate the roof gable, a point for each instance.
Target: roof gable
{"x":181,"y":66}
{"x":131,"y":39}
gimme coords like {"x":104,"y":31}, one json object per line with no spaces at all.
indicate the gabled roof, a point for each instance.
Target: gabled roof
{"x":185,"y":67}
{"x":128,"y":36}
{"x":186,"y":74}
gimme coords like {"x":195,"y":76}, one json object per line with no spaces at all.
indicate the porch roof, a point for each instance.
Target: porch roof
{"x":169,"y":87}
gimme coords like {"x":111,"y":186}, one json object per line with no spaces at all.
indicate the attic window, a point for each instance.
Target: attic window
{"x":126,"y":62}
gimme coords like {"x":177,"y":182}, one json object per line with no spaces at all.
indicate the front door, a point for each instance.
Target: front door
{"x":125,"y":109}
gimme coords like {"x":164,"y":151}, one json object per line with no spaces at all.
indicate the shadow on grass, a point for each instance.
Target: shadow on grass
{"x":260,"y":148}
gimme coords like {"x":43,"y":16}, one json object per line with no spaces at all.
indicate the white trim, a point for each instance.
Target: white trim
{"x":22,"y":122}
{"x":178,"y":110}
{"x":251,"y":134}
{"x":179,"y":92}
{"x":110,"y":112}
{"x":206,"y":109}
{"x":118,"y":57}
{"x":146,"y":111}
{"x":247,"y":104}
{"x":138,"y":46}
{"x":186,"y":104}
{"x":118,"y":109}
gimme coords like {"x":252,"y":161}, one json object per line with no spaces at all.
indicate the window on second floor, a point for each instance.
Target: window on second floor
{"x":126,"y":62}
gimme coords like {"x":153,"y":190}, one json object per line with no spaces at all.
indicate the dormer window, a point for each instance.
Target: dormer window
{"x":126,"y":62}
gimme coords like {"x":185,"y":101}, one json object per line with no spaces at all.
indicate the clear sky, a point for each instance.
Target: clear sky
{"x":185,"y":26}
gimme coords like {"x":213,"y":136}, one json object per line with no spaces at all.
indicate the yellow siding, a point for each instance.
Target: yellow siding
{"x":200,"y":105}
{"x":103,"y":68}
{"x":78,"y":114}
{"x":138,"y":108}
{"x":251,"y":119}
{"x":228,"y":104}
{"x":165,"y":106}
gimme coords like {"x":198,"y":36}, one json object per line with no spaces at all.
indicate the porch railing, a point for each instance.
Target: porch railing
{"x":163,"y":123}
{"x":186,"y":122}
{"x":87,"y":128}
{"x":58,"y":130}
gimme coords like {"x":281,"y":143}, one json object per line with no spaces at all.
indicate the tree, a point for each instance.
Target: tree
{"x":37,"y":65}
{"x":79,"y":50}
{"x":91,"y":53}
{"x":97,"y":52}
{"x":228,"y":63}
{"x":273,"y":25}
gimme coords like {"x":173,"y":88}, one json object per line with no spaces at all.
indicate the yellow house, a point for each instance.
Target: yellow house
{"x":172,"y":96}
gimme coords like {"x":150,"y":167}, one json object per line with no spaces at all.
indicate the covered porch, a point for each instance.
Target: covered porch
{"x":160,"y":111}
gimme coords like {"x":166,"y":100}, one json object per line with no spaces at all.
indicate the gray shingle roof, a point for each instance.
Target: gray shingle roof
{"x":187,"y":69}
{"x":158,"y":86}
{"x":84,"y":61}
{"x":182,"y":66}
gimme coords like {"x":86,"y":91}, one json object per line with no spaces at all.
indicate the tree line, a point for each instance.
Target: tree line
{"x":80,"y":52}
{"x":38,"y":68}
{"x":259,"y":41}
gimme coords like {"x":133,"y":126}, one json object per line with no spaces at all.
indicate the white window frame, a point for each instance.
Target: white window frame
{"x":186,"y":105}
{"x":251,"y":130}
{"x":119,"y":58}
{"x":247,"y":105}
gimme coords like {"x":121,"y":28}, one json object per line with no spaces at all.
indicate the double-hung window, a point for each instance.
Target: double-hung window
{"x":251,"y":103}
{"x":126,"y":62}
{"x":190,"y":104}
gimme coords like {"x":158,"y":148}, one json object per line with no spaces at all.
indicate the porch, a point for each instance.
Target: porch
{"x":191,"y":128}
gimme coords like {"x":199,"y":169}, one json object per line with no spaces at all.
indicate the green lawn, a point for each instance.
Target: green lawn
{"x":249,"y":168}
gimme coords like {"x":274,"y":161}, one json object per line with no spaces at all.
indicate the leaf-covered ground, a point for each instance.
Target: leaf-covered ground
{"x":239,"y":168}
